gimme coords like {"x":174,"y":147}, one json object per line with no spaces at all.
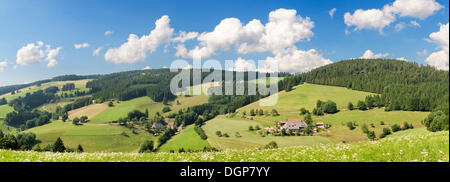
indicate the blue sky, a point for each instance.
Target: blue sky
{"x":65,"y":23}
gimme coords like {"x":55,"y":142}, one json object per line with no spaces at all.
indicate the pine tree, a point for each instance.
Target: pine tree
{"x":59,"y":146}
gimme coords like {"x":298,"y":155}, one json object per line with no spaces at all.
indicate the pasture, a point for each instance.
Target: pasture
{"x":306,"y":95}
{"x":186,"y":139}
{"x":430,"y":147}
{"x":241,"y":138}
{"x":93,"y":138}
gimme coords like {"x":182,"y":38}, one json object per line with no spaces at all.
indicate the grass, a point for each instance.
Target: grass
{"x":187,"y":139}
{"x":306,"y":95}
{"x":4,"y":110}
{"x":339,"y":132}
{"x":79,"y":85}
{"x":93,"y":138}
{"x":123,"y":108}
{"x":249,"y":140}
{"x":430,"y":147}
{"x":91,"y":111}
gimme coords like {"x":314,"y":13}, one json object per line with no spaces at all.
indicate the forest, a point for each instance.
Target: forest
{"x":402,"y":85}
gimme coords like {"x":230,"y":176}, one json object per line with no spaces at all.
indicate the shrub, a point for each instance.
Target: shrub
{"x":303,"y":111}
{"x":147,"y":146}
{"x":226,"y":135}
{"x":250,"y":128}
{"x":271,"y":145}
{"x":350,"y":106}
{"x":386,"y":132}
{"x":364,"y":128}
{"x":437,"y":121}
{"x":219,"y":133}
{"x":395,"y":128}
{"x":350,"y":125}
{"x":200,"y":132}
{"x":381,"y":122}
{"x":257,"y":127}
{"x":166,"y":109}
{"x":362,"y":106}
{"x":371,"y":135}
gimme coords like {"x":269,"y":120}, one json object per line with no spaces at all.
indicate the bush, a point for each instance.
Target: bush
{"x":386,"y":132}
{"x":350,"y":125}
{"x":147,"y":146}
{"x":226,"y":135}
{"x":257,"y":127}
{"x":371,"y":135}
{"x":381,"y":122}
{"x":166,"y":109}
{"x":364,"y":128}
{"x":219,"y":133}
{"x":395,"y":128}
{"x":250,"y":128}
{"x":200,"y":132}
{"x":437,"y":121}
{"x":303,"y":111}
{"x":271,"y":145}
{"x":350,"y":106}
{"x":362,"y":106}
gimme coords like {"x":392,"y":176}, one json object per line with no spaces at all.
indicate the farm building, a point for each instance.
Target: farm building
{"x":292,"y":124}
{"x":320,"y":125}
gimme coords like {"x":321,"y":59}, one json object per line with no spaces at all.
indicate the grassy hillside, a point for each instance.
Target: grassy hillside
{"x":249,"y":139}
{"x":80,"y":85}
{"x":93,"y":138}
{"x":306,"y":95}
{"x":431,"y":147}
{"x":5,"y":109}
{"x":121,"y":109}
{"x":187,"y":139}
{"x":340,"y":132}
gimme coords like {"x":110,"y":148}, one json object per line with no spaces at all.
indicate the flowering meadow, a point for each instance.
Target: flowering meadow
{"x":431,"y":147}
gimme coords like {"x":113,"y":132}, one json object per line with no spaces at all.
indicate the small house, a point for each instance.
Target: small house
{"x":320,"y":125}
{"x":293,"y":125}
{"x":158,"y":126}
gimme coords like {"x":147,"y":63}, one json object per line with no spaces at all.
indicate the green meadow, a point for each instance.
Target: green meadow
{"x":429,"y":147}
{"x":306,"y":95}
{"x":241,"y":138}
{"x":186,"y":139}
{"x":93,"y":138}
{"x":4,"y":110}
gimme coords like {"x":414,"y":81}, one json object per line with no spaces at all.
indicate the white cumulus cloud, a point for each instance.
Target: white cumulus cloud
{"x":3,"y":65}
{"x":440,"y":59}
{"x":108,"y":32}
{"x":35,"y":54}
{"x":136,"y":49}
{"x":380,"y":18}
{"x":183,"y":36}
{"x":416,"y":8}
{"x":331,"y":12}
{"x":415,"y":24}
{"x":96,"y":52}
{"x":147,"y":68}
{"x":399,"y":27}
{"x":370,"y":55}
{"x":82,"y":45}
{"x":278,"y":36}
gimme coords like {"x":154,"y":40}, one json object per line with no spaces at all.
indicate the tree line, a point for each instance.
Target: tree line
{"x":402,"y":85}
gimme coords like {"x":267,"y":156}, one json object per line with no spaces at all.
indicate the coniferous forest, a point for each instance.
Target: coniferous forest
{"x":402,"y":85}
